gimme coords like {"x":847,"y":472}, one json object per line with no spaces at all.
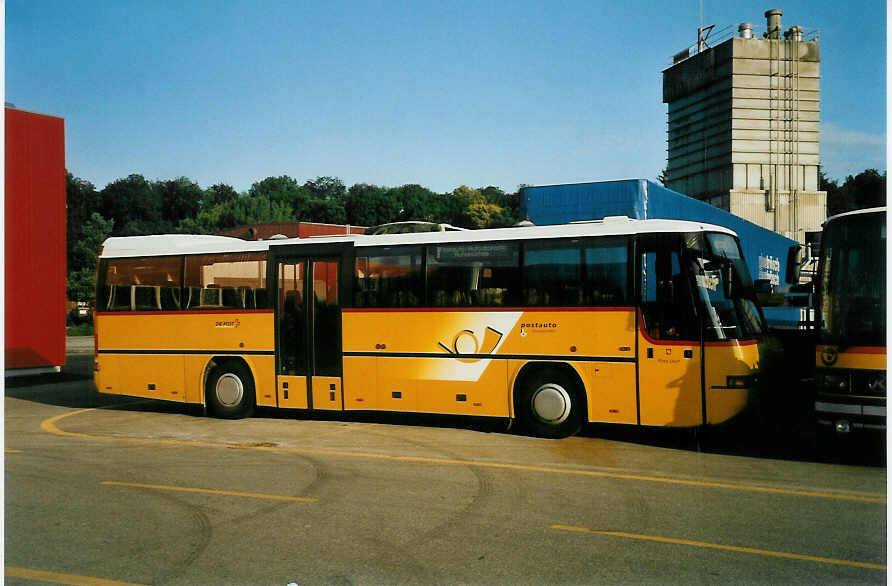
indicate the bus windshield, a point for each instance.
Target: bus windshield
{"x":853,"y":281}
{"x":724,"y":289}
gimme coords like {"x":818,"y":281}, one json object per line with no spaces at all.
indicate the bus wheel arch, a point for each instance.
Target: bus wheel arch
{"x":229,"y":388}
{"x":549,"y":399}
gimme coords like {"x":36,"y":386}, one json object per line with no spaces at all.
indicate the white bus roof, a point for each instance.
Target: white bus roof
{"x":174,"y":244}
{"x":879,"y":210}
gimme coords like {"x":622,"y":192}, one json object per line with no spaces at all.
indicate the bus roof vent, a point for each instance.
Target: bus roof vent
{"x":604,"y":220}
{"x":278,"y":237}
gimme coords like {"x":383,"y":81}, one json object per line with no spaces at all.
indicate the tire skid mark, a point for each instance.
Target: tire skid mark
{"x":197,"y":544}
{"x":474,"y":508}
{"x":49,"y":425}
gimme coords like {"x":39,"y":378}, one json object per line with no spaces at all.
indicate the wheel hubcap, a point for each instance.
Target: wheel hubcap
{"x":229,"y":390}
{"x":551,"y":403}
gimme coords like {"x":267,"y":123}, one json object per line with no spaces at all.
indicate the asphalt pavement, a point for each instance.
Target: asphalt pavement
{"x":104,"y":488}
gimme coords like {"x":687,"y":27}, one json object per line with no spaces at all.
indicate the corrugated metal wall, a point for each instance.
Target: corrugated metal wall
{"x":35,"y":240}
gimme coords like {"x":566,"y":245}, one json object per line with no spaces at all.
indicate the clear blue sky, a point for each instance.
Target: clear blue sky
{"x":386,"y":92}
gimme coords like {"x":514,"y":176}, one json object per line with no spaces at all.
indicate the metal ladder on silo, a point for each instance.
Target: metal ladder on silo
{"x":774,"y":130}
{"x":793,"y":181}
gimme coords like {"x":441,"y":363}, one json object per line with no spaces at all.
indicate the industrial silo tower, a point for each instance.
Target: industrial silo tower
{"x":743,"y":126}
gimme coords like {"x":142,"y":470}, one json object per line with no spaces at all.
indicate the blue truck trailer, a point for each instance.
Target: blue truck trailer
{"x":767,"y":253}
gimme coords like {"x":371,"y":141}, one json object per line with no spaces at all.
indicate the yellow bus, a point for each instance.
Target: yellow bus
{"x":850,"y":308}
{"x":647,"y":322}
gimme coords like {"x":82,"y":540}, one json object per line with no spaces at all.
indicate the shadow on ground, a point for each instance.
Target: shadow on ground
{"x":771,"y":430}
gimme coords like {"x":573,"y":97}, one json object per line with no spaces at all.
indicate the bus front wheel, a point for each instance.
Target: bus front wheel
{"x":230,"y":390}
{"x":549,"y":404}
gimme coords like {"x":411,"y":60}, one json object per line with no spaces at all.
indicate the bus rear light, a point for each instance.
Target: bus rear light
{"x":96,"y":366}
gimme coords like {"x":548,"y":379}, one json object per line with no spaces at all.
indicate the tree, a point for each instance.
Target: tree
{"x":180,"y":198}
{"x":419,"y":203}
{"x":326,"y":201}
{"x":133,"y":205}
{"x":326,"y":188}
{"x":282,"y":188}
{"x":864,"y":190}
{"x":82,"y":257}
{"x":509,"y":203}
{"x":831,"y":186}
{"x":370,"y":205}
{"x":326,"y":211}
{"x":82,"y":200}
{"x":218,"y":193}
{"x":471,"y":208}
{"x":246,"y":209}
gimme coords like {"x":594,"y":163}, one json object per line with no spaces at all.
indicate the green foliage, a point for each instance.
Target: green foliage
{"x":326,"y":188}
{"x":82,"y":257}
{"x":326,"y":211}
{"x":418,"y":203}
{"x":370,"y":205}
{"x":245,"y":209}
{"x":283,"y":188}
{"x":82,"y":200}
{"x":219,"y":193}
{"x":864,"y":190}
{"x":481,"y":208}
{"x":133,"y":204}
{"x":180,"y":198}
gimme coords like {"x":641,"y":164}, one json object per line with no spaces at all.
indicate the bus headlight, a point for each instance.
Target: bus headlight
{"x":876,"y":383}
{"x":838,"y":383}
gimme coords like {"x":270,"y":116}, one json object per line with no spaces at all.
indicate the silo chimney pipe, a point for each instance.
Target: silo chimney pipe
{"x":774,"y":23}
{"x":745,"y":30}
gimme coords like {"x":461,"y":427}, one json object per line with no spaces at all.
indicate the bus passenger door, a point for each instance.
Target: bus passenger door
{"x":670,"y":391}
{"x":308,"y":326}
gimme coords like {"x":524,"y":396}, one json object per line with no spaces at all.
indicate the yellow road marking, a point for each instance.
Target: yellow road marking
{"x":10,"y":451}
{"x":57,"y":578}
{"x":255,"y":495}
{"x":49,"y":425}
{"x":764,"y":552}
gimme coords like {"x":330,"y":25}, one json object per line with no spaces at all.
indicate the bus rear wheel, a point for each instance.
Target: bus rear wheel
{"x":230,"y":391}
{"x":549,"y":404}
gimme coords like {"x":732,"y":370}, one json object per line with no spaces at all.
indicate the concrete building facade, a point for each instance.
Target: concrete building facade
{"x":743,"y":127}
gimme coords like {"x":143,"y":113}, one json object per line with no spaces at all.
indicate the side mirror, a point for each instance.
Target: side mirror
{"x":794,"y":263}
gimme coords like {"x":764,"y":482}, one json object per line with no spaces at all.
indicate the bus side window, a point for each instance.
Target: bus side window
{"x":474,"y":274}
{"x":225,"y":281}
{"x":388,"y":277}
{"x":142,"y":284}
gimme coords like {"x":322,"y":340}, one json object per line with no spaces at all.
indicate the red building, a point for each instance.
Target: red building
{"x":35,"y":242}
{"x":290,"y":229}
